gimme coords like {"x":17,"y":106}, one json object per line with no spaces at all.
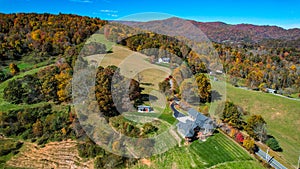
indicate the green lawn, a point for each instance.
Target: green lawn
{"x":218,"y":151}
{"x":101,"y":39}
{"x":281,"y":114}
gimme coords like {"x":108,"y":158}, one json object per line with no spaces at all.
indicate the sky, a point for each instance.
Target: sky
{"x":283,"y":13}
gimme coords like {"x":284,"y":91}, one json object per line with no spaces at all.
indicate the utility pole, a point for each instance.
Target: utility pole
{"x":267,"y":155}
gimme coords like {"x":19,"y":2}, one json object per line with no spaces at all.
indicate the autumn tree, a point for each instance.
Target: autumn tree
{"x":177,"y":75}
{"x":232,"y":115}
{"x":256,"y":127}
{"x":204,"y":87}
{"x":48,"y":82}
{"x":107,"y":85}
{"x":165,"y":86}
{"x":255,"y":78}
{"x":64,"y":83}
{"x":14,"y":69}
{"x":249,"y":144}
{"x":103,"y":92}
{"x":239,"y":137}
{"x":37,"y":128}
{"x":261,"y":132}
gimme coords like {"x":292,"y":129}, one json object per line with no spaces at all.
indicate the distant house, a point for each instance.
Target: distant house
{"x":164,"y":60}
{"x":273,"y":91}
{"x":145,"y":109}
{"x":219,"y":72}
{"x":195,"y":125}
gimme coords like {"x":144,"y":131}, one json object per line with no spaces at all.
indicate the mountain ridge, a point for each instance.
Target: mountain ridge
{"x":223,"y":32}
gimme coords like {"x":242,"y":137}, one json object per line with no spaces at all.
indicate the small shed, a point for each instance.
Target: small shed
{"x":273,"y":91}
{"x":145,"y":109}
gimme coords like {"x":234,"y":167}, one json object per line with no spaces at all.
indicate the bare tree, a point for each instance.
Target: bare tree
{"x":261,"y":131}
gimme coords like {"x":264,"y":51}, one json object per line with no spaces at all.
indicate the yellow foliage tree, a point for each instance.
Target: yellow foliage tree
{"x":249,"y":144}
{"x":13,"y":68}
{"x":232,"y":133}
{"x":64,"y":131}
{"x":37,"y":128}
{"x":64,"y":84}
{"x":293,"y":68}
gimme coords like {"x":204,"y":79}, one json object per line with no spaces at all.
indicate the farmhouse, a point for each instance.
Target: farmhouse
{"x":195,"y":126}
{"x":145,"y":109}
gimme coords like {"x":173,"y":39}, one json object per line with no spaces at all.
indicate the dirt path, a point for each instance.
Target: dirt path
{"x":175,"y":135}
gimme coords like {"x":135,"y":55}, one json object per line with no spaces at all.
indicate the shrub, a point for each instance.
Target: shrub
{"x":149,"y":128}
{"x":273,"y":144}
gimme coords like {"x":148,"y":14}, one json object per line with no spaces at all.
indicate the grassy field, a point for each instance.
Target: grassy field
{"x":131,"y":63}
{"x":281,"y":114}
{"x":217,"y":152}
{"x":101,"y":39}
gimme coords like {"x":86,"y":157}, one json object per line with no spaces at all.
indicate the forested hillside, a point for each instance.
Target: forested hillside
{"x":253,"y":65}
{"x":40,"y":36}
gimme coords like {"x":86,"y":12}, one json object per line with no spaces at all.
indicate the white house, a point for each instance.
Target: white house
{"x":164,"y":60}
{"x":273,"y":91}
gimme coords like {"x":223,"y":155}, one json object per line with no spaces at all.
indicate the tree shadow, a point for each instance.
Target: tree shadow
{"x":147,"y":84}
{"x":148,"y":97}
{"x":215,"y":96}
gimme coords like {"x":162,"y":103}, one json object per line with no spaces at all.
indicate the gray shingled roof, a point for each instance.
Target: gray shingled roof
{"x":187,"y":129}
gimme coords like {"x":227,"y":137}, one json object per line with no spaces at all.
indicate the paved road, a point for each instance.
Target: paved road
{"x":176,"y":112}
{"x":270,"y":160}
{"x":245,"y":88}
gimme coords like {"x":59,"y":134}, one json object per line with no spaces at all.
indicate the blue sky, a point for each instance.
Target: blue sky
{"x":284,"y":13}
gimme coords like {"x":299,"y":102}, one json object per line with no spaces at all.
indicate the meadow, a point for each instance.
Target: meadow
{"x":281,"y":114}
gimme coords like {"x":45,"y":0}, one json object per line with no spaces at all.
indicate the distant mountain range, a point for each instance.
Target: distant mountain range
{"x":222,"y":32}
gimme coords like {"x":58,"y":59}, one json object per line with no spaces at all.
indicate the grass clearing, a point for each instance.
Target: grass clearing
{"x":100,"y":38}
{"x":164,"y":115}
{"x":281,"y":114}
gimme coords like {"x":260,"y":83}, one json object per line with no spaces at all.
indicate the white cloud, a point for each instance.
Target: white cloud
{"x":112,"y":15}
{"x":108,"y":11}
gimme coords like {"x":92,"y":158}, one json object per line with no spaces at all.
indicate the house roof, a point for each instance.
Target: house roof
{"x":187,"y":124}
{"x":143,"y":106}
{"x":186,"y":129}
{"x":196,"y":115}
